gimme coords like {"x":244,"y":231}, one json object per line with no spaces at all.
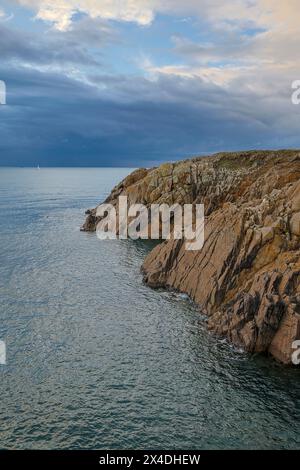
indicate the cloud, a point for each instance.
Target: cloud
{"x":4,"y":17}
{"x":220,"y":83}
{"x":54,"y":49}
{"x":61,"y":12}
{"x":235,"y":13}
{"x":221,"y":76}
{"x":243,"y":33}
{"x":133,"y":120}
{"x":254,"y":44}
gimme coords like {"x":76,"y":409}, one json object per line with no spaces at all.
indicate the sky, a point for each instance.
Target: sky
{"x":137,"y":82}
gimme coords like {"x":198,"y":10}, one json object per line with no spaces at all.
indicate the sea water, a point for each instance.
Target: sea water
{"x":96,"y":359}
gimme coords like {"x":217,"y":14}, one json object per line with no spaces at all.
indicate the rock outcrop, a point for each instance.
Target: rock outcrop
{"x":246,"y":278}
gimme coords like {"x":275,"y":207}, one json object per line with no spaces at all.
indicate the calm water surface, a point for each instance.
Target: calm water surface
{"x":95,"y":359}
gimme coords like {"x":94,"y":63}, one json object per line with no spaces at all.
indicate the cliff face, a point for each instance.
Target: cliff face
{"x":246,"y":278}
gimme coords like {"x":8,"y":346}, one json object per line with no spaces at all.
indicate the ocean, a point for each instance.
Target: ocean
{"x":97,"y":360}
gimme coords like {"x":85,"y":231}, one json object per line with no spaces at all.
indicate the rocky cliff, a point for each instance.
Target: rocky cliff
{"x":246,"y":277}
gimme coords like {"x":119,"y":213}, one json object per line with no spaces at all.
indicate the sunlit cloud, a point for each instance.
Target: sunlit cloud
{"x":265,"y":13}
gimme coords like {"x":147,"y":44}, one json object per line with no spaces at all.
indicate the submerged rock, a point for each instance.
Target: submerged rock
{"x":246,"y":278}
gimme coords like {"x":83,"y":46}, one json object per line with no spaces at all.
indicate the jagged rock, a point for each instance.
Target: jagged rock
{"x":295,"y":224}
{"x":246,"y":277}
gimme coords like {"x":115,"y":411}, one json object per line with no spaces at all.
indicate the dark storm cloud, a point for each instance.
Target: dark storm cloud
{"x":55,"y":120}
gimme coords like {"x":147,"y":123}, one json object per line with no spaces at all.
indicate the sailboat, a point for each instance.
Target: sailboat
{"x":38,"y":167}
